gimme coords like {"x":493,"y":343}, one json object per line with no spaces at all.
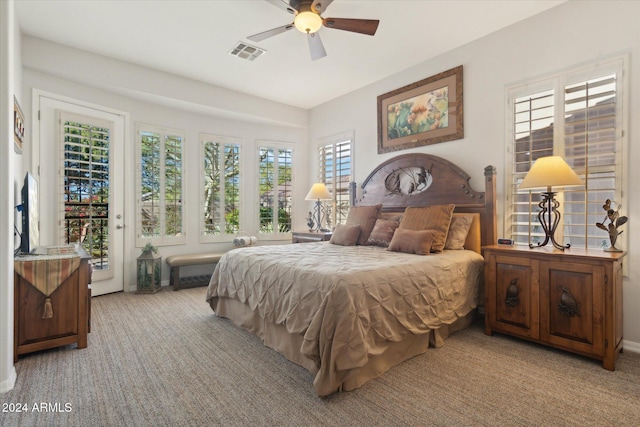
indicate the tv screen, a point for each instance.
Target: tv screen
{"x":30,"y":238}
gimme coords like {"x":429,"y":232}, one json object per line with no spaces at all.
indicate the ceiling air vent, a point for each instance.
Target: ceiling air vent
{"x":246,"y":51}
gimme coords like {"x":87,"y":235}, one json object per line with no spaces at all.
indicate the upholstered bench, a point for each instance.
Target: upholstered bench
{"x":183,"y":260}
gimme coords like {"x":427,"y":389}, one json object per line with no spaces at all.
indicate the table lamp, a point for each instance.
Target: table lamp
{"x":318,"y":192}
{"x":550,"y":172}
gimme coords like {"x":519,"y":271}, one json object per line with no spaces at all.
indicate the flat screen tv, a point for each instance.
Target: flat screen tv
{"x":30,"y":237}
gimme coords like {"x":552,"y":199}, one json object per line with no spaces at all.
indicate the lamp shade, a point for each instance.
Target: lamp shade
{"x":549,"y":172}
{"x":318,"y":192}
{"x":307,"y":22}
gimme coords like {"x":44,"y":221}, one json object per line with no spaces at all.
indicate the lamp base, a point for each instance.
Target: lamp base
{"x":315,"y":222}
{"x":549,"y":218}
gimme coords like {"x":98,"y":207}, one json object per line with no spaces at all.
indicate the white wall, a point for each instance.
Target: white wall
{"x":9,"y":81}
{"x":572,"y":34}
{"x":156,"y":98}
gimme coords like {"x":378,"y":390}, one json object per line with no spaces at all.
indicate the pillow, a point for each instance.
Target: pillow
{"x":458,"y":230}
{"x":345,"y":235}
{"x":436,"y":217}
{"x":382,"y":232}
{"x":365,"y":217}
{"x":412,"y":241}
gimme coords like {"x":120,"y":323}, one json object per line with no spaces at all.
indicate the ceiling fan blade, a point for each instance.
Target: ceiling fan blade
{"x":362,"y":26}
{"x":270,"y":33}
{"x":285,"y":5}
{"x":316,"y":47}
{"x":320,"y":5}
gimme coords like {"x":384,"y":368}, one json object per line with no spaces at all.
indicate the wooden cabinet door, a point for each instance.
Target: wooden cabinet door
{"x":572,"y":306}
{"x":513,"y":299}
{"x":31,"y":325}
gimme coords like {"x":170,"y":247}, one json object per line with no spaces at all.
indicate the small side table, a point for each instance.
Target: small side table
{"x":310,"y":236}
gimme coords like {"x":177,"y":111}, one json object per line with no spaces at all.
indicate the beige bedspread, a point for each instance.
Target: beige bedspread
{"x":348,"y":302}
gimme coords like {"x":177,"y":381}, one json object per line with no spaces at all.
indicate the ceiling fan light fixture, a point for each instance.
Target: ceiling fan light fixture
{"x":308,"y":22}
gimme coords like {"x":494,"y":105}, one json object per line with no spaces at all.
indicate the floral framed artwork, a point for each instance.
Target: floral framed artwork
{"x":426,"y":112}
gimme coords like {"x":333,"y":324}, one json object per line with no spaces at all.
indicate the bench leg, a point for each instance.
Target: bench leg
{"x":174,"y":279}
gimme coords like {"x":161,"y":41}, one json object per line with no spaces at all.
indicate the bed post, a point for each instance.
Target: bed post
{"x":490,"y":219}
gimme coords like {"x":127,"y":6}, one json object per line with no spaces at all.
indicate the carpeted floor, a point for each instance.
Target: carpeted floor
{"x":167,"y":360}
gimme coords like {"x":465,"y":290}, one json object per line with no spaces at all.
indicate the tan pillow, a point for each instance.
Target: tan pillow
{"x":436,"y":217}
{"x":345,"y":235}
{"x":458,"y":230}
{"x":412,"y":241}
{"x":382,"y":232}
{"x":365,"y":217}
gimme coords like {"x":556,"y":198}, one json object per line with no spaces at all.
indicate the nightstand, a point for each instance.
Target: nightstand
{"x":310,"y":236}
{"x":570,"y":300}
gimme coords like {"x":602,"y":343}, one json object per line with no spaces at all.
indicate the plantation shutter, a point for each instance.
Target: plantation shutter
{"x":336,"y":159}
{"x":275,"y":182}
{"x":578,"y":117}
{"x":220,"y":191}
{"x":591,"y":150}
{"x":533,"y":117}
{"x":85,"y":188}
{"x":160,"y":217}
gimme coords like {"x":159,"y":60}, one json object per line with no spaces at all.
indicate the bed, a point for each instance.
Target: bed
{"x":349,"y":312}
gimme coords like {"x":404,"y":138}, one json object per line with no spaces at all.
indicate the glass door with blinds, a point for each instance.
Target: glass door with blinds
{"x":87,"y":196}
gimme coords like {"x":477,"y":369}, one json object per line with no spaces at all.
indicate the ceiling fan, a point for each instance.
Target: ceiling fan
{"x":308,"y":20}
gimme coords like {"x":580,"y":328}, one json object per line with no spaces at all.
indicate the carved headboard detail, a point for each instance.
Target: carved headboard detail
{"x":419,"y":179}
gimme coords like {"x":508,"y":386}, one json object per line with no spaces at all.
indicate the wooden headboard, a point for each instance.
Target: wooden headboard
{"x":420,"y":180}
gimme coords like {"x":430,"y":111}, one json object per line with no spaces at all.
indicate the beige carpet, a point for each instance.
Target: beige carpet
{"x":167,"y":360}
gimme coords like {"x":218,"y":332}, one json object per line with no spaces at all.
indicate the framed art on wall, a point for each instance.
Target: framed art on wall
{"x":18,"y":126}
{"x":425,"y":112}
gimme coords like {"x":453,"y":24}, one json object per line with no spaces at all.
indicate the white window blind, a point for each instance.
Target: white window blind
{"x":160,"y":216}
{"x":275,"y":175}
{"x":336,"y":172}
{"x":220,"y":191}
{"x":578,"y":117}
{"x":86,"y":191}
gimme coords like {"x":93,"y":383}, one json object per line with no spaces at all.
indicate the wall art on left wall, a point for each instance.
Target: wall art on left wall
{"x":18,"y":126}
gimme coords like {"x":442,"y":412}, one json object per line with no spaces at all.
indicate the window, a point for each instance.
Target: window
{"x":160,"y":187}
{"x":220,"y":192}
{"x":275,"y":167}
{"x":336,"y":172}
{"x":578,"y":116}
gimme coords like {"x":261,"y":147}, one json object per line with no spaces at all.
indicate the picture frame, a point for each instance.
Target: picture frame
{"x":426,"y":112}
{"x":18,"y":127}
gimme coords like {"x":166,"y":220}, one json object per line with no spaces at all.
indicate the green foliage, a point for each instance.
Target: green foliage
{"x":148,"y":248}
{"x":266,"y":220}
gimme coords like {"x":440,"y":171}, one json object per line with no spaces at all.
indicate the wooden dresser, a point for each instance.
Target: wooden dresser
{"x":570,"y":300}
{"x":69,"y":308}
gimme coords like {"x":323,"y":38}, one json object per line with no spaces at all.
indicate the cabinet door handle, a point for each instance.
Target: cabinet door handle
{"x":513,"y":291}
{"x":568,"y":304}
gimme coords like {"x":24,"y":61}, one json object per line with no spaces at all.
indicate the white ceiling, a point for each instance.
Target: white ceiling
{"x":193,"y":39}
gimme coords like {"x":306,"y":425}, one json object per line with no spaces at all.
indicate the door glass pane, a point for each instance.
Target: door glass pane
{"x":86,"y":190}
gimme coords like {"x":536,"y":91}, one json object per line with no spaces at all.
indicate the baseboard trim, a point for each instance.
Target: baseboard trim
{"x":9,"y":383}
{"x":631,"y":346}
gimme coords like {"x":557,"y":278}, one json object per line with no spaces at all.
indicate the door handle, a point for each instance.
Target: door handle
{"x":119,"y":226}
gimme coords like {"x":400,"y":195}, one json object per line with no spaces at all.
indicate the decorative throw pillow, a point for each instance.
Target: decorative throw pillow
{"x":436,"y":217}
{"x":412,"y":241}
{"x":458,"y":230}
{"x":345,"y":235}
{"x":365,"y":217}
{"x":382,"y":232}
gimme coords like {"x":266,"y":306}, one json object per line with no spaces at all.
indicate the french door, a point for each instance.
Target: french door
{"x":81,"y":180}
